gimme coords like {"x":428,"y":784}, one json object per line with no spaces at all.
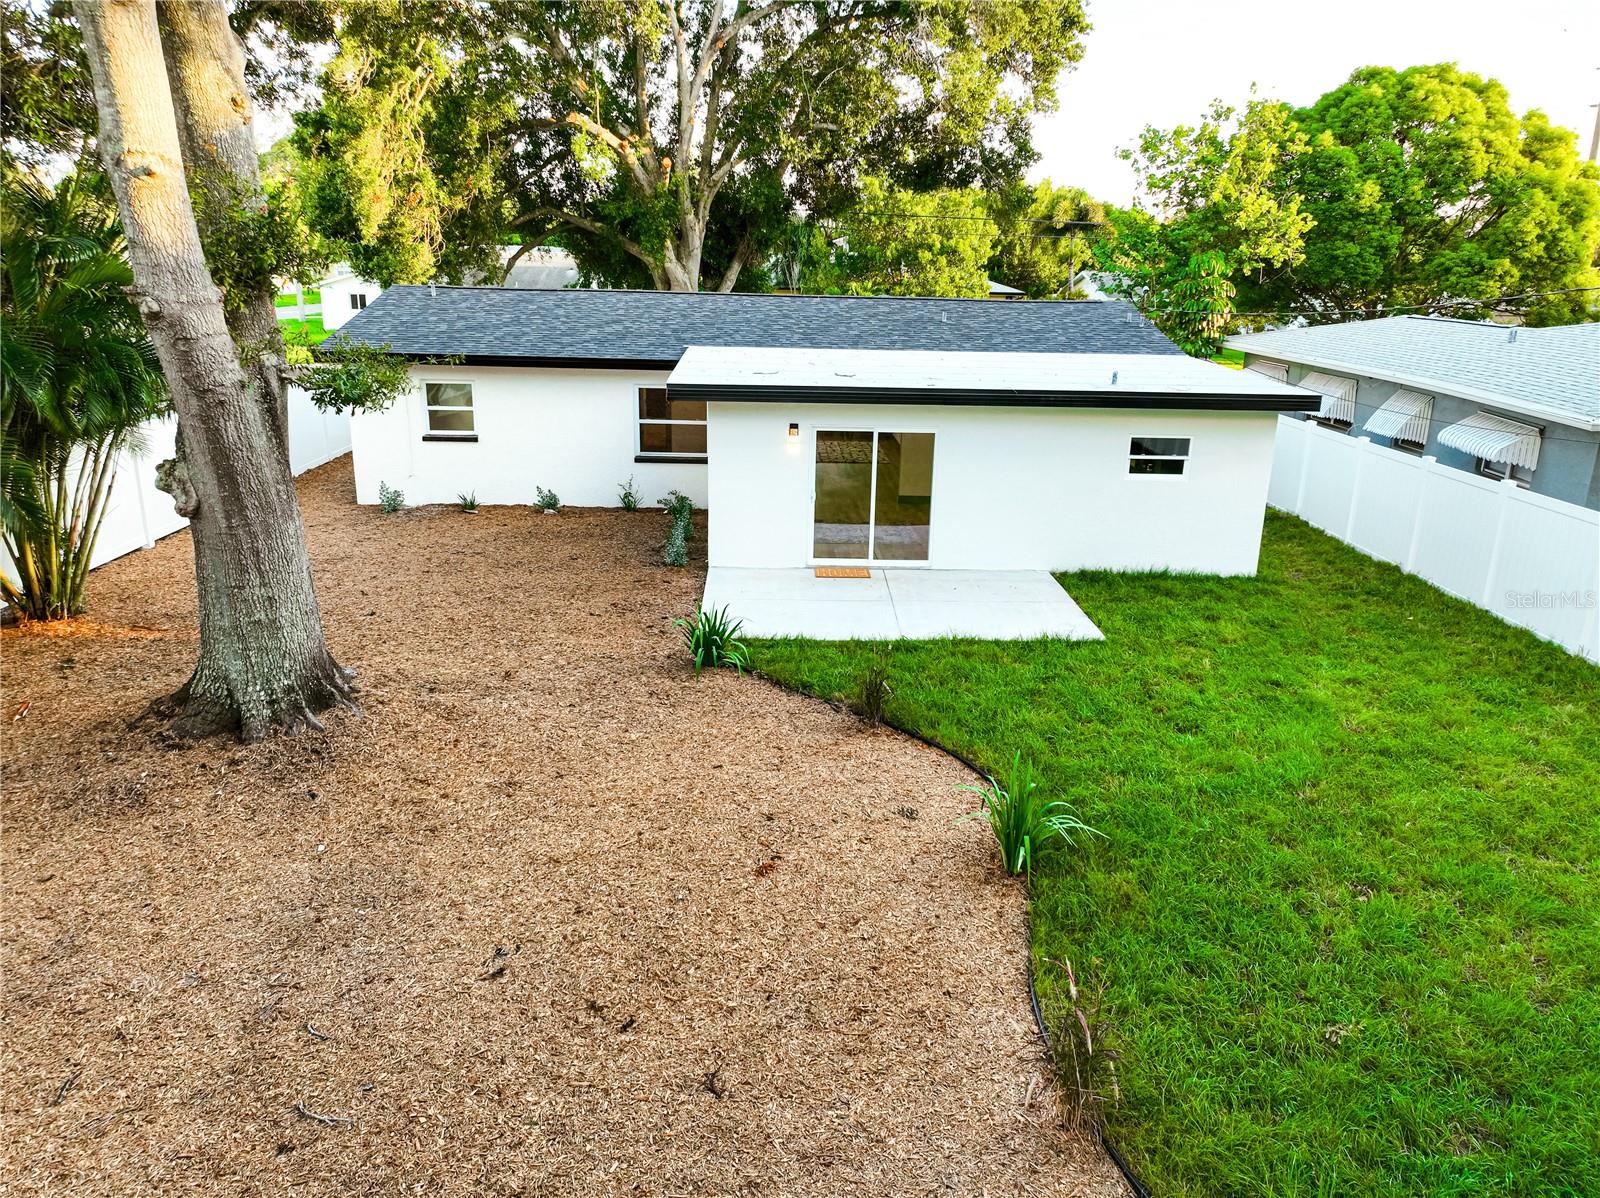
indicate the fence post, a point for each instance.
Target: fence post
{"x":1418,"y":509}
{"x":1307,"y":427}
{"x":1363,"y":450}
{"x":1506,"y":496}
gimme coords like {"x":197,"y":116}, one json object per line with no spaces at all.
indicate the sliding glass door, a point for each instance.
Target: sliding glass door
{"x":874,"y":493}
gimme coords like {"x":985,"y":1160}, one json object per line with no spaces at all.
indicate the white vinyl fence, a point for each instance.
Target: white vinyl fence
{"x":138,"y":515}
{"x":1531,"y":560}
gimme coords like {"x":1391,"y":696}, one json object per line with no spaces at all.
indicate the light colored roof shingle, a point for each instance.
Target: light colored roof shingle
{"x":1551,"y":374}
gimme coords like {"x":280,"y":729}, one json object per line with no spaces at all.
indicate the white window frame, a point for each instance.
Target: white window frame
{"x":662,"y":455}
{"x":1181,"y":458}
{"x":892,"y":563}
{"x":1502,"y":471}
{"x":428,"y":432}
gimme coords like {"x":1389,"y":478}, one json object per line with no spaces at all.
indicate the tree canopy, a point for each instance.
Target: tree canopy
{"x":1400,"y":190}
{"x":661,"y":141}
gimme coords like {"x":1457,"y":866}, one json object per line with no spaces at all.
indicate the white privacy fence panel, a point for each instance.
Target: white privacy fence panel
{"x":138,"y":515}
{"x":1529,"y":559}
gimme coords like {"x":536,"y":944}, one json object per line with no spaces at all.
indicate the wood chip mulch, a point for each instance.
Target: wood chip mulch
{"x":552,"y":918}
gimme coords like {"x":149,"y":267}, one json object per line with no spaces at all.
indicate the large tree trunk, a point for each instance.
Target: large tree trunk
{"x":263,"y":660}
{"x":205,"y":70}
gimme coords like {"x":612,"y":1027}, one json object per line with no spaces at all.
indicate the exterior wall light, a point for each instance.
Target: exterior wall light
{"x":794,"y":432}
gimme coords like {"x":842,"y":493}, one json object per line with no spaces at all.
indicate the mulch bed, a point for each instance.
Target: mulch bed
{"x":552,"y":917}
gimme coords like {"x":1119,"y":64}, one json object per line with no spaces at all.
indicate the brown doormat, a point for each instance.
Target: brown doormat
{"x":842,"y":572}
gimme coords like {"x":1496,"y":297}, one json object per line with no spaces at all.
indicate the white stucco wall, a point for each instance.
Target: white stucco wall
{"x":336,"y":294}
{"x":1014,"y":488}
{"x":574,"y":431}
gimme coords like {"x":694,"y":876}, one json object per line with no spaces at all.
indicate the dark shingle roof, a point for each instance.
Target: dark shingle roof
{"x":497,"y":324}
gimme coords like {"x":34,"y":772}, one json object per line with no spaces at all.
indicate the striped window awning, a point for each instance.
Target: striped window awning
{"x":1338,"y":395}
{"x":1494,"y":439}
{"x":1403,"y":416}
{"x":1273,"y":370}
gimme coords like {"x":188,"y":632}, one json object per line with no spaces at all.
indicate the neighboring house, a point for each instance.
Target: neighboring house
{"x":540,"y":268}
{"x":1500,"y":402}
{"x":956,"y":434}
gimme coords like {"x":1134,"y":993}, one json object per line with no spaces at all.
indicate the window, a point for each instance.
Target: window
{"x":1157,"y":455}
{"x":449,"y":412}
{"x":671,"y":428}
{"x":358,"y":300}
{"x":1520,"y":475}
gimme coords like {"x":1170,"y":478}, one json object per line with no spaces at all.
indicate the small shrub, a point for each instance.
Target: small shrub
{"x":676,"y":550}
{"x":677,"y":505}
{"x":873,"y":695}
{"x":389,"y":499}
{"x":712,"y":637}
{"x":469,"y":501}
{"x":1020,"y":818}
{"x":546,"y":500}
{"x":628,"y":497}
{"x":680,"y":508}
{"x":1084,"y":1062}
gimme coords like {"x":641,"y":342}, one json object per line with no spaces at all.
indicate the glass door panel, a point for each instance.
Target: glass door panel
{"x":904,"y":496}
{"x":842,"y":524}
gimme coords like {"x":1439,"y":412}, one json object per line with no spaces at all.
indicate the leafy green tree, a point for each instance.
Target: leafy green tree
{"x":658,"y":140}
{"x":1046,"y":237}
{"x":46,"y":97}
{"x":1410,"y":190}
{"x":897,"y":242}
{"x":1426,"y":189}
{"x":78,"y":376}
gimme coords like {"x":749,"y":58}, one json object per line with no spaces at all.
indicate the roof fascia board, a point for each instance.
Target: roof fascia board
{"x":993,"y":398}
{"x":1421,"y":383}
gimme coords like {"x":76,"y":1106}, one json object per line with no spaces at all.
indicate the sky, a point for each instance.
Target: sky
{"x":1161,"y":62}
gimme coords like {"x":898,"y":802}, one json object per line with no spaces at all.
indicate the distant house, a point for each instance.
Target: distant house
{"x":1505,"y":403}
{"x":541,"y":268}
{"x":895,"y":432}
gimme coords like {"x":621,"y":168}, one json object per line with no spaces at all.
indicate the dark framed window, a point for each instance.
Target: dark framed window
{"x":358,"y":300}
{"x":1501,"y":471}
{"x":449,"y":407}
{"x":670,"y":428}
{"x":1157,"y":455}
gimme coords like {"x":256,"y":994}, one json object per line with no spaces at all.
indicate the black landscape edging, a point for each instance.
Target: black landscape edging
{"x":1138,"y":1187}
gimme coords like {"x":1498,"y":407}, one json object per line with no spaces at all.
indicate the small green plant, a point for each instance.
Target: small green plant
{"x":627,"y":496}
{"x":1020,"y":818}
{"x":680,"y":508}
{"x":547,"y":500}
{"x":469,"y":501}
{"x":389,"y":499}
{"x":873,"y":695}
{"x":712,"y":637}
{"x":1086,"y":1065}
{"x":676,"y":550}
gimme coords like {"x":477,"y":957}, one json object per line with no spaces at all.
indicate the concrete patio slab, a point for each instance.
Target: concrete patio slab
{"x":895,"y":603}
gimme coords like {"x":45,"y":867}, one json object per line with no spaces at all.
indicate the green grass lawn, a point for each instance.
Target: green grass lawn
{"x":1348,"y":914}
{"x":313,"y":296}
{"x":308,"y":331}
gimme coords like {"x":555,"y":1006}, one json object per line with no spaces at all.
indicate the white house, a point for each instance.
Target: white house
{"x":538,"y":268}
{"x":953,"y":434}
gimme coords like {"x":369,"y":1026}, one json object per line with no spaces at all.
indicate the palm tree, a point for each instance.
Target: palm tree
{"x":77,"y":378}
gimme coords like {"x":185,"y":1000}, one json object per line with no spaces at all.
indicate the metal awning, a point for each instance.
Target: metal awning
{"x":1338,"y":395}
{"x":1494,"y":439}
{"x":1403,"y":416}
{"x":1273,"y":370}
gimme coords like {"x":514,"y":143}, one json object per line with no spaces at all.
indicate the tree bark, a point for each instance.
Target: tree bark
{"x":263,"y":660}
{"x":205,"y":72}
